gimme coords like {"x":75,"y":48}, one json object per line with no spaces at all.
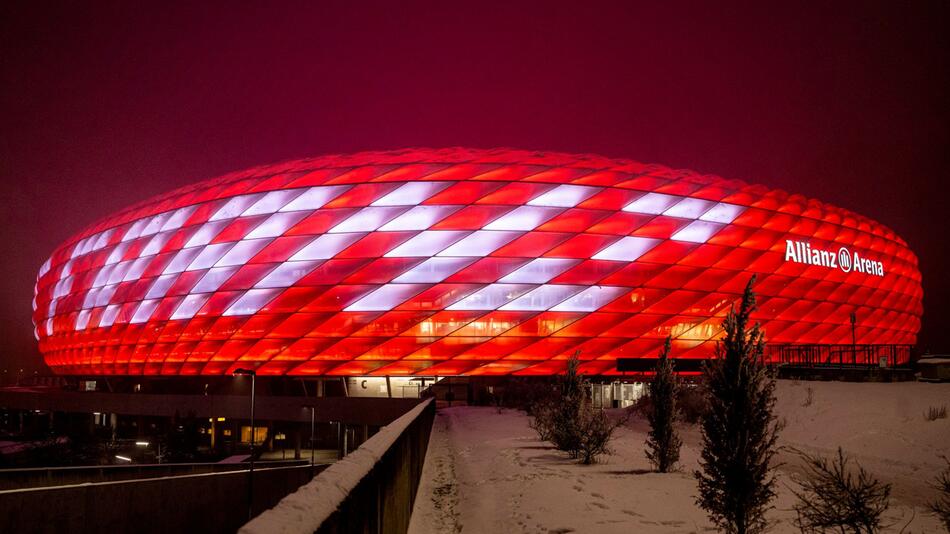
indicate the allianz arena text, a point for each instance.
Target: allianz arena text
{"x":461,"y":262}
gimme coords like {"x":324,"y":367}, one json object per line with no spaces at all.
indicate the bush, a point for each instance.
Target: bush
{"x":691,"y":403}
{"x":940,"y":507}
{"x":934,"y":413}
{"x":832,"y":498}
{"x":595,"y":430}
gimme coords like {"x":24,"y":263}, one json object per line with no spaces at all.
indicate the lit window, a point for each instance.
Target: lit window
{"x":539,"y":271}
{"x":491,"y":297}
{"x":697,"y":232}
{"x":252,"y":301}
{"x":565,"y":196}
{"x":523,"y":218}
{"x":272,"y":202}
{"x":209,"y":256}
{"x":627,"y":249}
{"x":433,"y":270}
{"x":367,"y":220}
{"x":160,"y":286}
{"x":480,"y":243}
{"x":723,"y":213}
{"x":386,"y":297}
{"x":426,"y":243}
{"x":235,"y":207}
{"x":591,"y":299}
{"x":181,"y":260}
{"x":315,"y":198}
{"x":655,"y":203}
{"x":419,"y":218}
{"x":286,"y":274}
{"x":178,"y":218}
{"x":190,"y":305}
{"x":242,"y":252}
{"x":325,"y":246}
{"x":144,"y":311}
{"x":276,"y":224}
{"x":205,"y":234}
{"x":542,"y":298}
{"x":213,"y":279}
{"x":689,"y":208}
{"x":411,"y":194}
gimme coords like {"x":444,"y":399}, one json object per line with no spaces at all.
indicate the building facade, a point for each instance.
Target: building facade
{"x":461,"y":262}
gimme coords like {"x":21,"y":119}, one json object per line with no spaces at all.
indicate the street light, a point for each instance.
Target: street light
{"x":250,"y":472}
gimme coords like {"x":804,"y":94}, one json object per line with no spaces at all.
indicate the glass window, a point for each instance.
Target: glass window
{"x":491,"y":297}
{"x":591,"y":299}
{"x":286,"y":274}
{"x":367,"y":219}
{"x":326,"y":246}
{"x":411,"y":194}
{"x":565,"y":196}
{"x":655,"y":203}
{"x":542,"y":298}
{"x":242,"y":252}
{"x":627,"y":249}
{"x":315,"y":198}
{"x":426,"y":243}
{"x":252,"y":301}
{"x":539,"y":271}
{"x":480,"y":243}
{"x":272,"y":202}
{"x":523,"y":218}
{"x":235,"y":207}
{"x":433,"y":270}
{"x":419,"y":218}
{"x":386,"y":297}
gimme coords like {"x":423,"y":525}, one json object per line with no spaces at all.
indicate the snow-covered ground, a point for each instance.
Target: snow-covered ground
{"x":486,"y":472}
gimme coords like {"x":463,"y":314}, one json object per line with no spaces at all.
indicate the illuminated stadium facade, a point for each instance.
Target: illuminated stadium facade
{"x":461,"y":262}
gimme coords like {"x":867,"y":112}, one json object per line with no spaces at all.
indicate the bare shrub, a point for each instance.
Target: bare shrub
{"x":691,"y":403}
{"x":809,"y":398}
{"x":832,"y":498}
{"x":936,"y":412}
{"x":595,"y":430}
{"x":940,"y":507}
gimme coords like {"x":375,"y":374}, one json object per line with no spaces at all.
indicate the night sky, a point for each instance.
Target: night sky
{"x":102,"y":106}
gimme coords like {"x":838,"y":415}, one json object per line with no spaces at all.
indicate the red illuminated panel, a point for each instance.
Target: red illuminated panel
{"x":440,"y":262}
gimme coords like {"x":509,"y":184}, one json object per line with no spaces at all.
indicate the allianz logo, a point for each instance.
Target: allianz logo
{"x":844,"y":259}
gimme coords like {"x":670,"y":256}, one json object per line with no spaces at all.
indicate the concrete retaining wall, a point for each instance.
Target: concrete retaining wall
{"x":372,"y":490}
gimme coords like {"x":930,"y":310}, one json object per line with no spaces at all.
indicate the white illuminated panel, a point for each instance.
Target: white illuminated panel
{"x":325,"y":246}
{"x":315,"y":198}
{"x":591,"y":299}
{"x":189,"y":306}
{"x":82,"y":319}
{"x":135,"y":230}
{"x":155,"y":224}
{"x":411,"y":194}
{"x":367,"y":219}
{"x":108,"y":315}
{"x":689,"y":208}
{"x":181,"y":260}
{"x":179,"y":218}
{"x":653,"y":203}
{"x":286,"y":274}
{"x":523,"y":218}
{"x":89,"y":300}
{"x":103,"y":239}
{"x":539,"y":271}
{"x":491,"y":297}
{"x":697,"y":232}
{"x":136,"y":269}
{"x":419,"y":218}
{"x":723,"y":213}
{"x":67,"y":268}
{"x":434,"y":270}
{"x":272,"y":202}
{"x":480,"y":243}
{"x":206,"y":233}
{"x":156,"y":243}
{"x":160,"y":286}
{"x":105,"y":295}
{"x":118,"y":272}
{"x":627,"y":249}
{"x":252,"y":301}
{"x":426,"y":243}
{"x":209,"y":256}
{"x":235,"y":207}
{"x":276,"y":224}
{"x":242,"y":252}
{"x":542,"y":298}
{"x":144,"y":311}
{"x":213,"y":279}
{"x":117,"y":253}
{"x":386,"y":297}
{"x":565,"y":196}
{"x":102,"y":277}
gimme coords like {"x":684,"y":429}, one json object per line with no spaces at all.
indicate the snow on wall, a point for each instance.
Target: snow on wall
{"x":307,"y":508}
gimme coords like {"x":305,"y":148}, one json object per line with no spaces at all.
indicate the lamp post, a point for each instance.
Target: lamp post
{"x":250,"y":472}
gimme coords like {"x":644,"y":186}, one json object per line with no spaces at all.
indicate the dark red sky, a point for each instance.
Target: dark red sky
{"x":102,"y":106}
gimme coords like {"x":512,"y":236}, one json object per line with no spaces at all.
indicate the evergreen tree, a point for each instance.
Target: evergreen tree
{"x":739,"y":430}
{"x":663,"y":443}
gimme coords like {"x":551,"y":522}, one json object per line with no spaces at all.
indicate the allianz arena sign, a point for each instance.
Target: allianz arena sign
{"x":844,"y":259}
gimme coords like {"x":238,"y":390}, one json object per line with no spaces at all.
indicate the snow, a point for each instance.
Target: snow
{"x":306,"y":509}
{"x":486,"y":471}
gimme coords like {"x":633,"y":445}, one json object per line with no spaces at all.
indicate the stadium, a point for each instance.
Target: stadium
{"x":466,"y":262}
